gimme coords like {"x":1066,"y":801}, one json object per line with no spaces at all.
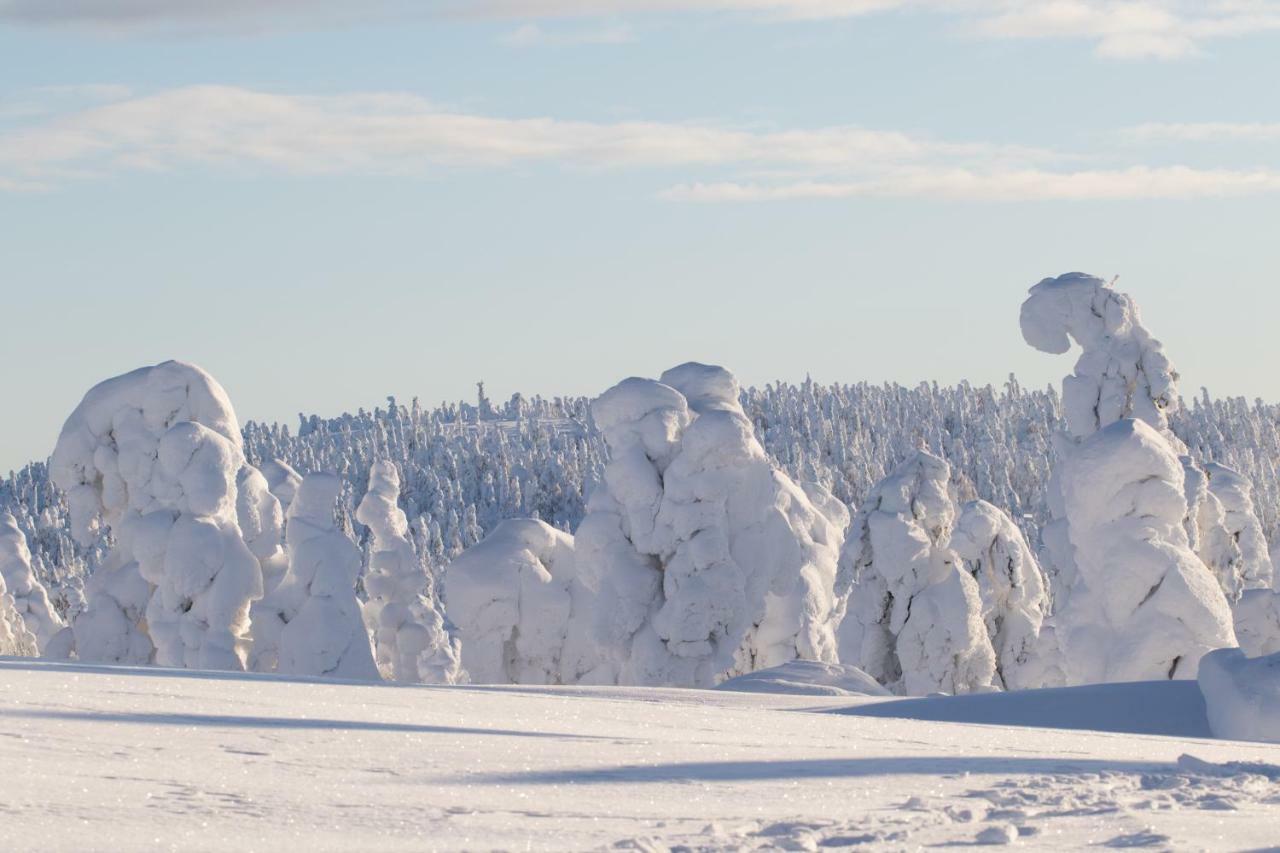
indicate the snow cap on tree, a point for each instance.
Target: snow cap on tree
{"x":914,"y":616}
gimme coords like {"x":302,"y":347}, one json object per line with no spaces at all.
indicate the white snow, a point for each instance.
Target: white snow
{"x":128,"y":759}
{"x":807,"y":678}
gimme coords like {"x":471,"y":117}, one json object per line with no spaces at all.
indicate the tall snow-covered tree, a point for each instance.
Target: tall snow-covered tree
{"x":410,"y":638}
{"x":1015,"y":596}
{"x":521,"y":609}
{"x":311,"y":623}
{"x":710,"y":561}
{"x":914,"y":618}
{"x":155,"y":455}
{"x":1137,"y":601}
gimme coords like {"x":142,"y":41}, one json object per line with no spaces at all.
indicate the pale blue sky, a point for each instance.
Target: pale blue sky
{"x":330,"y":202}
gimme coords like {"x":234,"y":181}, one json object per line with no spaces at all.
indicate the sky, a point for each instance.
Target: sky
{"x":325,"y":203}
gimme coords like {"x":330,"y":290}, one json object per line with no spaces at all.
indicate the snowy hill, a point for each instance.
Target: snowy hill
{"x":119,"y":758}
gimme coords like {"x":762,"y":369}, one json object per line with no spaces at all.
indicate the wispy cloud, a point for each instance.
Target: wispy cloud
{"x":230,"y":128}
{"x":1121,"y":29}
{"x":533,"y":35}
{"x":1204,"y":132}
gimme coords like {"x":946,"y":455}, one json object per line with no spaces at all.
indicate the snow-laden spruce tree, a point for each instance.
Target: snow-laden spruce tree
{"x":31,"y":602}
{"x":282,"y":481}
{"x":410,"y":638}
{"x":1136,"y":600}
{"x":155,"y":455}
{"x":311,"y":623}
{"x":521,"y":610}
{"x":914,"y":615}
{"x":709,"y":561}
{"x":1015,"y":596}
{"x":16,"y":639}
{"x":1235,"y":493}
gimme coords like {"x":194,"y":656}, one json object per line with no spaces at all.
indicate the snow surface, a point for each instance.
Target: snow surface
{"x":1242,"y":694}
{"x":122,"y":758}
{"x":807,"y":678}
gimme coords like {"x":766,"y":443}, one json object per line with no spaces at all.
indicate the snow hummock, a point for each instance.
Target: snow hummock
{"x":1242,"y":695}
{"x":408,"y":626}
{"x":807,"y":678}
{"x":914,"y":619}
{"x":709,"y":561}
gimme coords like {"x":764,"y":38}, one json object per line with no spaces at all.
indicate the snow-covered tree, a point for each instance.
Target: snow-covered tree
{"x":311,"y":623}
{"x":1015,"y":595}
{"x":1235,"y":493}
{"x":521,"y":610}
{"x":16,"y":639}
{"x":155,"y":455}
{"x":914,"y":615}
{"x":282,"y":481}
{"x":410,"y":638}
{"x":39,"y":622}
{"x":709,"y":560}
{"x":1137,"y":600}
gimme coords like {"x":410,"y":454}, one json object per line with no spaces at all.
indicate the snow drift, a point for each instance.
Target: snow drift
{"x":1242,"y":695}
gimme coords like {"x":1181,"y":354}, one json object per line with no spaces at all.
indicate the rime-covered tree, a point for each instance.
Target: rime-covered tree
{"x":410,"y":639}
{"x":155,"y":455}
{"x":1137,"y":602}
{"x":311,"y":623}
{"x":1015,"y":596}
{"x":709,"y":560}
{"x":914,"y":615}
{"x":30,"y":600}
{"x":522,"y":611}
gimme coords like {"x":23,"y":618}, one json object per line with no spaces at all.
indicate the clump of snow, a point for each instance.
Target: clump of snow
{"x":807,"y":678}
{"x":914,"y":616}
{"x":410,"y":639}
{"x":1257,"y":622}
{"x":282,"y":481}
{"x":1122,"y":371}
{"x":156,"y":455}
{"x":1242,"y":695}
{"x":1014,"y":591}
{"x":1235,"y":493}
{"x":311,"y":623}
{"x":38,"y":622}
{"x":710,"y":562}
{"x":521,"y":610}
{"x":1143,"y":606}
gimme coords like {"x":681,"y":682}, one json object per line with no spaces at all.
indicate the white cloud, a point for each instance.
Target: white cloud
{"x":230,"y":128}
{"x":533,"y":35}
{"x":1122,"y":29}
{"x":998,"y":185}
{"x":1204,"y":132}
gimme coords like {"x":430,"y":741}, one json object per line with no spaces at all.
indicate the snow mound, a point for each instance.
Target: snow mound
{"x":807,"y":678}
{"x":1173,"y":708}
{"x":1242,"y":695}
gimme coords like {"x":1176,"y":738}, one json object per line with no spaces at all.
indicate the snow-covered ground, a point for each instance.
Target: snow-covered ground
{"x":134,"y":758}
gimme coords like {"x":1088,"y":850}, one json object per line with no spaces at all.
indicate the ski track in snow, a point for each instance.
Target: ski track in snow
{"x":120,"y":758}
